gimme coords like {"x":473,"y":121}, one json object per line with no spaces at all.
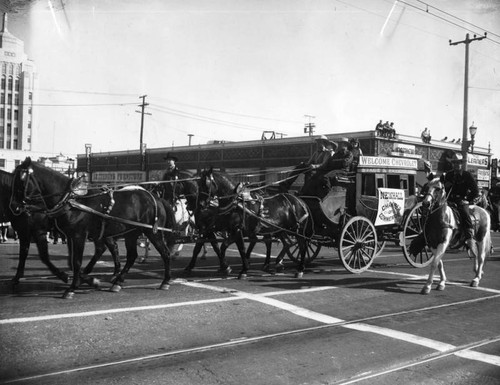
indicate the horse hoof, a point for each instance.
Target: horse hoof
{"x":115,"y":288}
{"x":242,"y":276}
{"x":299,"y":274}
{"x":225,"y":272}
{"x":142,"y":260}
{"x":96,"y":283}
{"x":280,"y":268}
{"x":68,"y":295}
{"x":164,"y":286}
{"x":425,"y":290}
{"x":474,"y":283}
{"x":441,"y":286}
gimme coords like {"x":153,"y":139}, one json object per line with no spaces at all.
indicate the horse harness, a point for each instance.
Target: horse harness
{"x":78,"y":188}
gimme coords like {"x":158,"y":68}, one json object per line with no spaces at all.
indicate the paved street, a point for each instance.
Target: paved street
{"x":331,"y":327}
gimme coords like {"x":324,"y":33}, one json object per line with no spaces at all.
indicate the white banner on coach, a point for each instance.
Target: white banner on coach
{"x":391,"y":203}
{"x":385,"y":161}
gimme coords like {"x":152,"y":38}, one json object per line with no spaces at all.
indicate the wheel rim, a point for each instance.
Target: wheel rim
{"x":291,"y":247}
{"x":358,"y":244}
{"x":413,"y":226}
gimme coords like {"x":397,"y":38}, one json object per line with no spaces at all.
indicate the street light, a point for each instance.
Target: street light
{"x":472,"y":130}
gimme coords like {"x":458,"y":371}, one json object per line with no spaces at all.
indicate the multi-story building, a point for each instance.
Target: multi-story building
{"x":18,"y":86}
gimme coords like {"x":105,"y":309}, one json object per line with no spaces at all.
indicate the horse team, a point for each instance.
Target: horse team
{"x":35,"y":198}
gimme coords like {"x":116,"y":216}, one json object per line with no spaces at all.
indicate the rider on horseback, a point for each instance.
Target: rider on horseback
{"x":462,"y":190}
{"x":172,"y":172}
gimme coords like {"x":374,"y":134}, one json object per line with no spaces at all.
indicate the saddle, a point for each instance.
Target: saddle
{"x":460,"y":235}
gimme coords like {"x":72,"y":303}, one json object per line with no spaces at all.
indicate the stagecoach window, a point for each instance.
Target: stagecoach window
{"x":393,"y":181}
{"x":368,"y":185}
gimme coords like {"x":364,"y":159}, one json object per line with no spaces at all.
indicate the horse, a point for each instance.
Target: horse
{"x":182,"y":193}
{"x":442,"y":231}
{"x":240,"y":213}
{"x":35,"y":227}
{"x":83,"y":213}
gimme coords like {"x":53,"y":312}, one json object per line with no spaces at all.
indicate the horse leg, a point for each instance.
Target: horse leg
{"x":112,"y":246}
{"x":131,"y":247}
{"x":302,"y":264}
{"x":100,"y":248}
{"x":76,"y":246}
{"x":241,"y":248}
{"x":163,"y":247}
{"x":192,"y":262}
{"x":442,"y":283}
{"x":24,"y":246}
{"x":479,"y":263}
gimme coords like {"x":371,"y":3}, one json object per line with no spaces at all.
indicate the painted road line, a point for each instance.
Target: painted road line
{"x":319,"y":317}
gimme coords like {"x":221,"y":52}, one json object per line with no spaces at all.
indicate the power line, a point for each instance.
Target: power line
{"x":206,"y":118}
{"x":229,"y":113}
{"x":456,"y":17}
{"x":87,"y":92}
{"x":77,"y":105}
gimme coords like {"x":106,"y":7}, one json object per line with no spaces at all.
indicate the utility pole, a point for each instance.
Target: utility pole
{"x":465,"y":142}
{"x":309,"y":127}
{"x":141,"y":146}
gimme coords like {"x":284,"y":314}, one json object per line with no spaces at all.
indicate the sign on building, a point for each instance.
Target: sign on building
{"x":385,"y":161}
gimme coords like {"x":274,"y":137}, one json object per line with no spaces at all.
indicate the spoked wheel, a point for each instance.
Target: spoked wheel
{"x":412,"y":227}
{"x":291,"y":246}
{"x":358,"y":244}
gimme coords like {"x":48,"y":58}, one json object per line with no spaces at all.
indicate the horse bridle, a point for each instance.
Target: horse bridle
{"x":26,"y":175}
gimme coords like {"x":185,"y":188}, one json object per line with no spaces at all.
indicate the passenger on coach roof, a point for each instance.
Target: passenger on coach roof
{"x":426,"y":135}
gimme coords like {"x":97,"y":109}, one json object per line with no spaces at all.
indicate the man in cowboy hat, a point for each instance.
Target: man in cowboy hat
{"x":171,"y":171}
{"x":342,"y":159}
{"x":462,"y":190}
{"x":324,"y":151}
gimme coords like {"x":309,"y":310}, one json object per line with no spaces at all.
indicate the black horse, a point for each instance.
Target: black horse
{"x":186,"y":188}
{"x":231,"y":207}
{"x":35,"y":227}
{"x":94,"y":214}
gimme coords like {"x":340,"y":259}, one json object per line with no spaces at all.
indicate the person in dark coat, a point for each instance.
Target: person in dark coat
{"x":461,"y":189}
{"x":171,"y":172}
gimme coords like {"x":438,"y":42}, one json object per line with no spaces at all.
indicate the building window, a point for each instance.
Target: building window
{"x":1,"y":143}
{"x":16,"y":99}
{"x":14,"y":144}
{"x":16,"y":115}
{"x":9,"y":129}
{"x":29,"y":124}
{"x":3,"y":82}
{"x":2,"y":98}
{"x":8,"y":144}
{"x":10,"y":83}
{"x":29,"y":110}
{"x":30,"y":96}
{"x":2,"y":161}
{"x":17,"y":85}
{"x":9,"y":99}
{"x":2,"y":113}
{"x":16,"y":131}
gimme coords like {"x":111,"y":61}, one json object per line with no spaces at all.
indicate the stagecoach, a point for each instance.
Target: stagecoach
{"x":363,"y":211}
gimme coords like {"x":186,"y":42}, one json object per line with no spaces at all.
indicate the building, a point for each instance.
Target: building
{"x":269,"y":160}
{"x":17,"y":92}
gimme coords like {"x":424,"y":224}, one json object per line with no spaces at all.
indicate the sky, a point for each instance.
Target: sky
{"x":231,"y":69}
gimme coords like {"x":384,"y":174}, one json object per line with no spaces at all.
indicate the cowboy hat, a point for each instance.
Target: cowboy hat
{"x":324,"y":139}
{"x":343,"y":140}
{"x":170,"y":156}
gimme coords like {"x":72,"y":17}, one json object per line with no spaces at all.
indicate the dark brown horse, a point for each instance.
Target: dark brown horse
{"x":243,"y":214}
{"x":182,"y":193}
{"x":35,"y":227}
{"x":94,"y":214}
{"x":442,"y":231}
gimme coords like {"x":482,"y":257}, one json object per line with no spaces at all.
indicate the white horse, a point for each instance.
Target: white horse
{"x":441,"y":231}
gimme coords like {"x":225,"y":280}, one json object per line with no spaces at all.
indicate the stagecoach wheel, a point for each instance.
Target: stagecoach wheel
{"x":291,"y":247}
{"x":358,"y":244}
{"x":412,"y":227}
